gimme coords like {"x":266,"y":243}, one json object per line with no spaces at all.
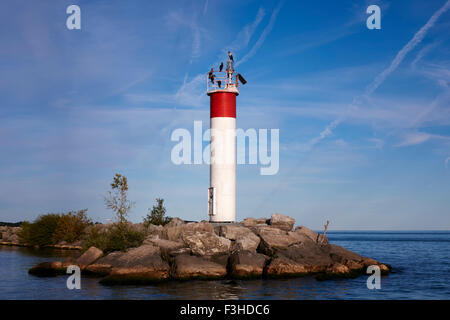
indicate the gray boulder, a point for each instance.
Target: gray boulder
{"x":141,"y":264}
{"x":307,"y":232}
{"x":89,"y":257}
{"x":205,"y":243}
{"x":10,"y":234}
{"x":175,"y":232}
{"x":175,"y":222}
{"x":308,"y":254}
{"x":282,"y":222}
{"x":299,"y":259}
{"x":163,"y":244}
{"x":156,"y":231}
{"x":251,"y":222}
{"x":355,"y":262}
{"x":314,"y":236}
{"x":249,"y":242}
{"x":168,"y":248}
{"x":244,"y":238}
{"x":272,"y":238}
{"x":49,"y":269}
{"x":192,"y":267}
{"x":247,"y":264}
{"x":282,"y":266}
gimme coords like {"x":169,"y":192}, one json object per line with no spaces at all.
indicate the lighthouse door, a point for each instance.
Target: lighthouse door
{"x":211,"y":204}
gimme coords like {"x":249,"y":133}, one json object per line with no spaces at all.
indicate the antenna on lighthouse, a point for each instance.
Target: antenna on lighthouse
{"x":223,"y":87}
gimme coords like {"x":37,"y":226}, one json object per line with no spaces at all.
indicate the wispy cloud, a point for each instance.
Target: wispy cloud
{"x":179,"y":20}
{"x":263,"y":35}
{"x":417,"y":38}
{"x":414,"y":138}
{"x":191,"y":92}
{"x":440,"y":73}
{"x":417,"y":137}
{"x":378,"y":143}
{"x":424,"y":115}
{"x":422,"y":53}
{"x":205,"y":7}
{"x":246,"y":33}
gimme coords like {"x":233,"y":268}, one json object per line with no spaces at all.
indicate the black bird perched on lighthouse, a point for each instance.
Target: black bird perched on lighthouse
{"x":211,"y":75}
{"x":241,"y":78}
{"x":221,"y":67}
{"x":230,"y":56}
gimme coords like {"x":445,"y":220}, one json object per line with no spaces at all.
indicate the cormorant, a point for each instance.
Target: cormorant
{"x":221,"y":67}
{"x":230,"y":56}
{"x":241,"y":78}
{"x":211,"y":75}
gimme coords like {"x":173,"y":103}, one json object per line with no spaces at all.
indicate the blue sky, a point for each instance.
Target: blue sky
{"x":363,"y":114}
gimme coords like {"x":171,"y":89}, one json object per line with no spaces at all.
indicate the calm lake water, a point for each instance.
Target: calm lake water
{"x":421,"y":262}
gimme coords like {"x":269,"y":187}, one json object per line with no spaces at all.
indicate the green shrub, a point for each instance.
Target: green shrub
{"x":157,"y":214}
{"x":117,"y":237}
{"x":71,"y":226}
{"x":52,"y":228}
{"x":97,"y":236}
{"x":40,"y":232}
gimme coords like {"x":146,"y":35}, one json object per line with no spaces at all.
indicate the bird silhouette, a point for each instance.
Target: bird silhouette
{"x":221,"y":67}
{"x":230,"y":56}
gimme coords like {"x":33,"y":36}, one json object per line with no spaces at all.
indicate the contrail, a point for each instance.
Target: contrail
{"x":245,"y":34}
{"x":241,"y":41}
{"x":205,"y":7}
{"x":418,"y":37}
{"x":263,"y":35}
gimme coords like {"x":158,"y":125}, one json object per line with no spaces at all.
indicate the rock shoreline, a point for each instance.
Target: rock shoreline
{"x":254,"y":248}
{"x":9,"y":236}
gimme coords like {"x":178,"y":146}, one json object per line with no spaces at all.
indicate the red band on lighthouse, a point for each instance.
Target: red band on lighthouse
{"x":223,"y":104}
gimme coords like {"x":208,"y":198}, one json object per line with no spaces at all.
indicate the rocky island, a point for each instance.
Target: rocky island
{"x":253,"y":248}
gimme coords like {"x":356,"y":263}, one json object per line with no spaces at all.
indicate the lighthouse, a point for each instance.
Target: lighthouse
{"x":222,"y":88}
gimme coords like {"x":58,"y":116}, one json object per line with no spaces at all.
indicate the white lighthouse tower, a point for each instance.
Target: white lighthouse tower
{"x":223,"y":88}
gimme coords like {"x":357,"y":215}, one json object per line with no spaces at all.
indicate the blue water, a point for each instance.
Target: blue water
{"x":420,"y":260}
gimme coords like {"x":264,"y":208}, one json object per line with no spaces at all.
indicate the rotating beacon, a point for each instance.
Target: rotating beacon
{"x":223,"y":88}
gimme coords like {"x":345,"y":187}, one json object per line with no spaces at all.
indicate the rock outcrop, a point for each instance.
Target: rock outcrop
{"x":89,"y":257}
{"x":192,"y":267}
{"x":256,"y":248}
{"x":247,"y":264}
{"x":242,"y":238}
{"x":205,"y":243}
{"x":282,"y":222}
{"x":9,"y":235}
{"x":137,"y":265}
{"x":251,"y":222}
{"x":176,"y":230}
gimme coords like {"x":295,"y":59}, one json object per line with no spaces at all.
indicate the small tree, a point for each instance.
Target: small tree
{"x":157,"y":214}
{"x":117,"y":198}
